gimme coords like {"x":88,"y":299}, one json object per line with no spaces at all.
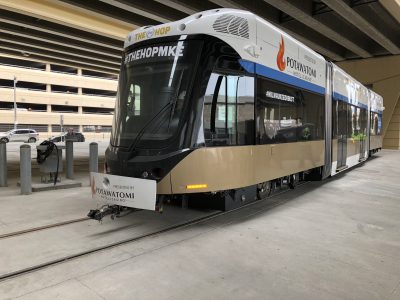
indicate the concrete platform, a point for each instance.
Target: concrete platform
{"x":338,"y":239}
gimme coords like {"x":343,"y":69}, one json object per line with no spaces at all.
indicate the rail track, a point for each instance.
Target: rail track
{"x":124,"y":241}
{"x":44,"y":227}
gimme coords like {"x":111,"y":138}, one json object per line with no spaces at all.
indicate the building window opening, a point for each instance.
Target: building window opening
{"x":97,"y":92}
{"x":23,"y":85}
{"x":20,"y":63}
{"x":39,"y":128}
{"x":63,"y":69}
{"x":97,"y":110}
{"x":64,"y":109}
{"x":89,"y":73}
{"x":96,"y":128}
{"x":23,"y":106}
{"x":64,"y":89}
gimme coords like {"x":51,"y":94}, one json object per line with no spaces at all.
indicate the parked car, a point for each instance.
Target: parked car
{"x":20,"y":135}
{"x":75,"y":137}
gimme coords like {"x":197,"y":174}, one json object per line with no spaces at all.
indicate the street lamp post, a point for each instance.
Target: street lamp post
{"x":15,"y":102}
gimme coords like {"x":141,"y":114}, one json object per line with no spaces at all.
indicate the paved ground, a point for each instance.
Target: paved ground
{"x":338,"y":239}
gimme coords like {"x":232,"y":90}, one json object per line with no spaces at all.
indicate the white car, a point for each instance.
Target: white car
{"x":19,"y":135}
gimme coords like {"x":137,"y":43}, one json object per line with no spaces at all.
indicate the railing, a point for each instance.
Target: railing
{"x":57,"y":92}
{"x":65,"y":92}
{"x":98,"y":113}
{"x":64,"y":112}
{"x":53,"y":71}
{"x":63,"y":72}
{"x":25,"y":109}
{"x":22,"y":67}
{"x":22,"y":88}
{"x":99,"y":95}
{"x":100,"y":77}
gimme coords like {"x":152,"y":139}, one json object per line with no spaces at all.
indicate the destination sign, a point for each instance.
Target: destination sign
{"x":156,"y":51}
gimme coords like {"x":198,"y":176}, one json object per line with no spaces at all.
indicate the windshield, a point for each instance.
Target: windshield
{"x":153,"y":92}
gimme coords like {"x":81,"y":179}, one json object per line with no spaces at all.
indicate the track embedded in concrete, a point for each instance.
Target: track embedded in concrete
{"x":34,"y":229}
{"x":130,"y":240}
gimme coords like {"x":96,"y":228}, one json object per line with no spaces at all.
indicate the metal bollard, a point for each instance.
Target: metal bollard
{"x":25,"y":169}
{"x":93,"y":157}
{"x":3,"y":164}
{"x":69,"y":157}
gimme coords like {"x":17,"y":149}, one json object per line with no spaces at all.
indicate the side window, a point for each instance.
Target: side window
{"x":133,"y":102}
{"x":228,"y":116}
{"x":267,"y":114}
{"x":245,"y":110}
{"x":311,"y":119}
{"x":379,"y":127}
{"x":364,"y":122}
{"x":287,"y":114}
{"x":220,"y":116}
{"x":334,"y":118}
{"x":374,"y":123}
{"x":225,"y":125}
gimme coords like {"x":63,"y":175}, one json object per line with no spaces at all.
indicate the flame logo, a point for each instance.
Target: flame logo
{"x":280,"y":61}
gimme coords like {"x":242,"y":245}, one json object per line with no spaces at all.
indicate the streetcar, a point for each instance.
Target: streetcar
{"x":223,"y":105}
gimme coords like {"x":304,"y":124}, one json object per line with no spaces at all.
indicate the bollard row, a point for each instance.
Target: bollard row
{"x":69,"y":158}
{"x":93,"y":157}
{"x":25,"y":169}
{"x":3,"y":164}
{"x":26,"y":164}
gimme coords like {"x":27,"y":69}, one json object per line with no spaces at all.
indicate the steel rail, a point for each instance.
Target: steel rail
{"x":140,"y":237}
{"x":40,"y":228}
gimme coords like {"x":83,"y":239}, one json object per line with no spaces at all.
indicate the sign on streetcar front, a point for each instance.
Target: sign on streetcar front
{"x":124,"y":191}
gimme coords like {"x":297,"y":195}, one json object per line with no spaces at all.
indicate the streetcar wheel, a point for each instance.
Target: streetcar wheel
{"x":293,"y":180}
{"x":264,"y":190}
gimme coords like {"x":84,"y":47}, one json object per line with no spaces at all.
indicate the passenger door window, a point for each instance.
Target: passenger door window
{"x":228,"y":115}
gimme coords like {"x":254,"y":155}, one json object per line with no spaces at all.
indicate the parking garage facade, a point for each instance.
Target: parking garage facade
{"x":52,"y":98}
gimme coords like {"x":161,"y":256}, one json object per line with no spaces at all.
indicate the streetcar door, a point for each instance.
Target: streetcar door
{"x":342,"y":133}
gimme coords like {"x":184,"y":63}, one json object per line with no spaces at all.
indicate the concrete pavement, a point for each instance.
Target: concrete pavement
{"x":338,"y":239}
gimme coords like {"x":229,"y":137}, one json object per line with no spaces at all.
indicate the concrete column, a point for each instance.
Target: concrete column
{"x":80,"y":128}
{"x":3,"y":164}
{"x":69,"y":157}
{"x":79,"y":73}
{"x":25,"y":169}
{"x":79,"y":91}
{"x":49,"y":129}
{"x":48,"y":67}
{"x":48,"y":107}
{"x":48,"y":88}
{"x":80,"y":109}
{"x":93,"y":157}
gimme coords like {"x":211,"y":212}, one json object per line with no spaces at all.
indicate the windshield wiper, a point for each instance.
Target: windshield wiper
{"x":142,"y":131}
